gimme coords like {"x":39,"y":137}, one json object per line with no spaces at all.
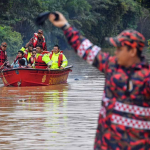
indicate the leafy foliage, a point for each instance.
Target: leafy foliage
{"x":13,"y":39}
{"x":96,"y":19}
{"x":148,"y":44}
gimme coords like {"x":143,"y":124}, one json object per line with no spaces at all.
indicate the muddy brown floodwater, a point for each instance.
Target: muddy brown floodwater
{"x":58,"y":117}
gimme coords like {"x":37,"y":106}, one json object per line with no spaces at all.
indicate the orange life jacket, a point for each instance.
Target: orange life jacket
{"x":45,"y":52}
{"x":35,"y":40}
{"x":39,"y":63}
{"x":2,"y":57}
{"x":32,"y":59}
{"x":18,"y":58}
{"x":26,"y":54}
{"x":60,"y":58}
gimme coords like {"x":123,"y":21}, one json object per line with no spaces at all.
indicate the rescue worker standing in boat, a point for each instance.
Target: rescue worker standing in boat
{"x":58,"y":59}
{"x":3,"y":55}
{"x":38,"y":39}
{"x":42,"y":60}
{"x":124,"y":119}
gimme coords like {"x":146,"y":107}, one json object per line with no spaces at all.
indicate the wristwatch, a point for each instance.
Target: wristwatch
{"x":66,"y":26}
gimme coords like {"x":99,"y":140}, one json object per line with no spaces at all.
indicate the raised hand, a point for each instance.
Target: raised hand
{"x":60,"y":22}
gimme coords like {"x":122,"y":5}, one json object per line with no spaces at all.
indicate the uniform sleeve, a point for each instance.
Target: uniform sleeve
{"x":65,"y":61}
{"x":86,"y":50}
{"x":46,"y":59}
{"x":148,"y":85}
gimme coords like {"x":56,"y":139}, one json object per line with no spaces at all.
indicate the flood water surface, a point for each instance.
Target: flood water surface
{"x":58,"y":117}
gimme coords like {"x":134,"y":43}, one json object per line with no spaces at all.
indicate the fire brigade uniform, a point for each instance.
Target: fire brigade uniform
{"x":124,"y":118}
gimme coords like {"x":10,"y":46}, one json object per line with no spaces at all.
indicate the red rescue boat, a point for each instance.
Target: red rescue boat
{"x":34,"y":77}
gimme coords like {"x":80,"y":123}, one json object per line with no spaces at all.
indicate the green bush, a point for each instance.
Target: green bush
{"x":13,"y":39}
{"x":148,"y":44}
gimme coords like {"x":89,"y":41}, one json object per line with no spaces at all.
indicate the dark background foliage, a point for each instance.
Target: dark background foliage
{"x":96,"y":20}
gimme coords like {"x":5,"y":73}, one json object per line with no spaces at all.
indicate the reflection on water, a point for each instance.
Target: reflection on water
{"x":53,"y":117}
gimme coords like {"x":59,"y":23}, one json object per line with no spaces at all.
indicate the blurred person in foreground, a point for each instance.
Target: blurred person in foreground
{"x":124,"y":118}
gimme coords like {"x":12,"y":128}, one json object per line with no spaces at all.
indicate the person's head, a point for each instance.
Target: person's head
{"x":33,"y":52}
{"x":39,"y":49}
{"x":40,"y":33}
{"x":129,"y":45}
{"x":20,"y":54}
{"x":30,"y":47}
{"x":4,"y":46}
{"x":56,"y":49}
{"x":21,"y":62}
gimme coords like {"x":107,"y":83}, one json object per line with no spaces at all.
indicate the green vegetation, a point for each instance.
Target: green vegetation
{"x":13,"y":39}
{"x":149,"y":43}
{"x":96,"y":20}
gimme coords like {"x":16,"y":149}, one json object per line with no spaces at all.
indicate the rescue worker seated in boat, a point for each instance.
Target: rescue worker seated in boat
{"x":27,"y":51}
{"x":3,"y":56}
{"x":38,"y":39}
{"x":58,"y":59}
{"x":20,"y":55}
{"x":42,"y":60}
{"x":22,"y":63}
{"x":32,"y":58}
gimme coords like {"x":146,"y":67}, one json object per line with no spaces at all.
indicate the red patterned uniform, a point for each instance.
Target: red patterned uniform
{"x":124,"y":119}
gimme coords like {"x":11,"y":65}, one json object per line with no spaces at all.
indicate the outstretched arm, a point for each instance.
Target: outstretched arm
{"x":84,"y":48}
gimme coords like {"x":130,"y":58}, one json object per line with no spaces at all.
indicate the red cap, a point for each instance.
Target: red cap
{"x":131,"y":38}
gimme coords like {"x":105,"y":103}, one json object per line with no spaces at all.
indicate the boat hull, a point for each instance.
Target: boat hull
{"x":34,"y":77}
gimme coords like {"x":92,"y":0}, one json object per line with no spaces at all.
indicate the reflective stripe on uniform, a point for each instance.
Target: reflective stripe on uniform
{"x":105,"y":99}
{"x":93,"y":53}
{"x":133,"y":123}
{"x":130,"y":109}
{"x":137,"y":110}
{"x":64,"y":60}
{"x":83,"y":47}
{"x":103,"y":111}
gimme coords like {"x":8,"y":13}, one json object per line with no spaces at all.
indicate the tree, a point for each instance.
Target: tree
{"x":13,"y":39}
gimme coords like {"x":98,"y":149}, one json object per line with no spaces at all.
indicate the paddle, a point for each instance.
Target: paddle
{"x":3,"y":64}
{"x":44,"y":16}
